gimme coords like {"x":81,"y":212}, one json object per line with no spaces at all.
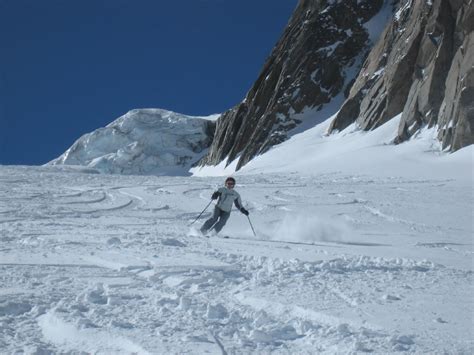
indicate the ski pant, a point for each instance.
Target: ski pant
{"x":218,"y":214}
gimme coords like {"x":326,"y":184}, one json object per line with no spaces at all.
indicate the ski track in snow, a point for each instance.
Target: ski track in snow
{"x":342,"y":264}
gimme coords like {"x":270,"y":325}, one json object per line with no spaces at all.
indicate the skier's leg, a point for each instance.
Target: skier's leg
{"x":222,"y":221}
{"x":210,"y":222}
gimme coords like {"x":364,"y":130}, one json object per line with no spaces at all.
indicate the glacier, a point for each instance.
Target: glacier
{"x":143,"y":141}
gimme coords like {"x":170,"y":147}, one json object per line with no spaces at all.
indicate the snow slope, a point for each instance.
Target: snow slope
{"x":360,"y":246}
{"x":143,"y":141}
{"x":354,"y":151}
{"x":344,"y":261}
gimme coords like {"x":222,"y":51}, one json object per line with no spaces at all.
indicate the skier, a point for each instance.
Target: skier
{"x":226,"y":197}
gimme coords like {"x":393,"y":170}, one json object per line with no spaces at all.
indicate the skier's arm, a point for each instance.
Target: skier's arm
{"x":238,"y":204}
{"x":217,"y":194}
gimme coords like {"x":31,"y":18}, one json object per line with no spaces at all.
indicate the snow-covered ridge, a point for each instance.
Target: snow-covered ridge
{"x":143,"y":141}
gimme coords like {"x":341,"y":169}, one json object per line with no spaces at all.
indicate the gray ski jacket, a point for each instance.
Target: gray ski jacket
{"x":227,"y":197}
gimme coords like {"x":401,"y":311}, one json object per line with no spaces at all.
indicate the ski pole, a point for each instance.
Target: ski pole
{"x":201,"y":213}
{"x":253,"y":230}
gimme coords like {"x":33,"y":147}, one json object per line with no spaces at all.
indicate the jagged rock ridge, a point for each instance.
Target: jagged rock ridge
{"x":422,"y":67}
{"x":306,"y":69}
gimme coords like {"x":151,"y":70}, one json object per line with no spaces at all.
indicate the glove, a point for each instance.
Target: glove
{"x":216,"y":195}
{"x":244,"y":211}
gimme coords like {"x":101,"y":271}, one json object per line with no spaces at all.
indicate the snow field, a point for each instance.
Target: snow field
{"x":342,"y":263}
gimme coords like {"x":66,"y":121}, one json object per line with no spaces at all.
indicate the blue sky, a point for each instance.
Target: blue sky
{"x":68,"y":67}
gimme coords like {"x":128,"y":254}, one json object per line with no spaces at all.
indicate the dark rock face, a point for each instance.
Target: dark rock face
{"x":382,"y":87}
{"x":456,"y":116}
{"x":306,"y":69}
{"x":421,"y":67}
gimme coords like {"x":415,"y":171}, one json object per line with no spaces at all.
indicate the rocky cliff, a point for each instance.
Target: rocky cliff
{"x":422,"y":67}
{"x":309,"y":66}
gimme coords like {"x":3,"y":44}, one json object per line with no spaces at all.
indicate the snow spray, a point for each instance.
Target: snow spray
{"x":309,"y":228}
